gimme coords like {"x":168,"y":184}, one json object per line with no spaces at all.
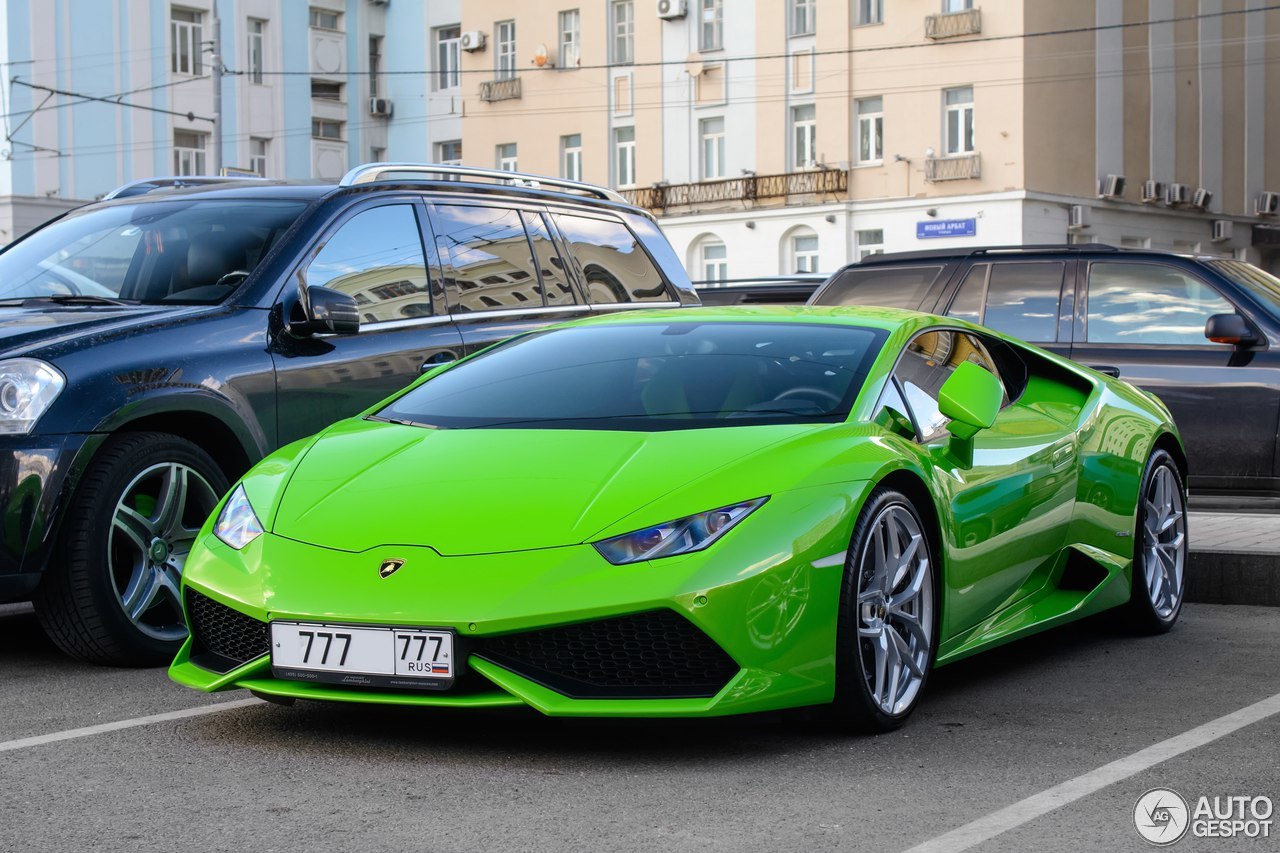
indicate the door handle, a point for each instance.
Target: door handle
{"x":1109,"y":369}
{"x":437,"y":360}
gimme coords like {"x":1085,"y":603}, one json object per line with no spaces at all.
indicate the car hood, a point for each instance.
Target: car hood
{"x":24,"y":330}
{"x":477,"y":491}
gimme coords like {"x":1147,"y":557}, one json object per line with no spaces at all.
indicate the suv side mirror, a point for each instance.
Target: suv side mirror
{"x":326,"y":311}
{"x":1229,"y":329}
{"x":971,"y":399}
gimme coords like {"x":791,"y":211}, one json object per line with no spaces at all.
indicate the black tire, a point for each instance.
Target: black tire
{"x":80,"y":599}
{"x":1142,"y":614}
{"x":854,"y":706}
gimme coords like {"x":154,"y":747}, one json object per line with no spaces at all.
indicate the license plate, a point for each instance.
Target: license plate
{"x":420,"y":658}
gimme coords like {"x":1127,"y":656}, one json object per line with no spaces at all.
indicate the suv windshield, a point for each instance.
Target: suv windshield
{"x":179,"y":251}
{"x":651,"y":376}
{"x":887,"y":287}
{"x":1258,"y":282}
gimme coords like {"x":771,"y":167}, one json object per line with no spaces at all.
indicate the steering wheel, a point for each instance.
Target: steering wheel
{"x":232,"y":278}
{"x":811,"y":391}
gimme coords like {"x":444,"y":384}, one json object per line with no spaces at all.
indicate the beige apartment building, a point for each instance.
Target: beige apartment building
{"x":779,"y":135}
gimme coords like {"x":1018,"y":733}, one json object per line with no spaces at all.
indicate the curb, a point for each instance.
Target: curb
{"x":1233,"y":577}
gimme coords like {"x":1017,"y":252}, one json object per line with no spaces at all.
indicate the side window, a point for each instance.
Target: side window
{"x":376,"y":257}
{"x":1131,"y":303}
{"x":927,"y":363}
{"x":1019,"y":299}
{"x":555,"y":279}
{"x":610,"y":262}
{"x":484,"y":253}
{"x":889,"y":287}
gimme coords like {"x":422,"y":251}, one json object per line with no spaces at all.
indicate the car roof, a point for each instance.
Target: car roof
{"x":1028,"y":251}
{"x":889,"y":319}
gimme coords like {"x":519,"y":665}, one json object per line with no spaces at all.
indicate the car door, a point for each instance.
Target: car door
{"x":1010,"y":511}
{"x":373,"y":252}
{"x":1029,"y":300}
{"x":1144,"y":321}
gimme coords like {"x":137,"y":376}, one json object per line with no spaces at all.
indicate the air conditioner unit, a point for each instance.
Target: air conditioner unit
{"x":1179,"y":194}
{"x":1266,"y":204}
{"x":1152,"y":192}
{"x":380,"y":106}
{"x":379,"y":2}
{"x":1222,"y":230}
{"x":1077,"y":218}
{"x":669,"y":10}
{"x":1201,"y":198}
{"x":472,"y":40}
{"x":1112,"y":186}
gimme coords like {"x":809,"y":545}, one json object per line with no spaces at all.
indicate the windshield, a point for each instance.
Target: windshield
{"x":887,"y":287}
{"x":651,"y":376}
{"x":1259,"y":282}
{"x":171,"y":251}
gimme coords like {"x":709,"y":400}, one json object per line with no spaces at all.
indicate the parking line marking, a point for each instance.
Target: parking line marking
{"x":1025,"y":811}
{"x":87,"y":731}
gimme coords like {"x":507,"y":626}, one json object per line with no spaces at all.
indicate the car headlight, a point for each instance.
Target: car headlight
{"x":27,"y":388}
{"x":237,"y":525}
{"x":682,"y":536}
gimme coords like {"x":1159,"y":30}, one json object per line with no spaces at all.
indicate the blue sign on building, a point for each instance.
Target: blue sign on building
{"x":946,"y":228}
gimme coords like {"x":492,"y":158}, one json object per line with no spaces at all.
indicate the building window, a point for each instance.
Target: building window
{"x":870,"y":242}
{"x":323,"y":128}
{"x":804,"y":136}
{"x":570,"y":40}
{"x":571,"y":157}
{"x":803,"y":250}
{"x":377,"y":154}
{"x":623,"y":28}
{"x":956,"y":5}
{"x":801,"y":20}
{"x":712,"y":133}
{"x":323,"y":90}
{"x":185,"y":33}
{"x":258,"y":156}
{"x":959,"y":132}
{"x":257,"y":30}
{"x":449,"y":153}
{"x":624,"y":156}
{"x":506,"y":53}
{"x":188,"y":152}
{"x":870,"y":11}
{"x":715,"y":261}
{"x":711,"y":33}
{"x":507,"y":157}
{"x":375,"y":65}
{"x":870,"y":130}
{"x":448,"y":56}
{"x":325,"y":19}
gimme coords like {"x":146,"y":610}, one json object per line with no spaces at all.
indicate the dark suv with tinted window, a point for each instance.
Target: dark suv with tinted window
{"x":156,"y":344}
{"x":1202,"y":333}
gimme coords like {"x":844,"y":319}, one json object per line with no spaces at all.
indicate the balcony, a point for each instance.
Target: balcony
{"x":749,"y":189}
{"x":949,"y":25}
{"x":500,"y":90}
{"x":957,"y":168}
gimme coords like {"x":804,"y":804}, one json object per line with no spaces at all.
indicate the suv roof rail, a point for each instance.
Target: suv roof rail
{"x":370,"y":172}
{"x":971,"y":251}
{"x":148,"y":185}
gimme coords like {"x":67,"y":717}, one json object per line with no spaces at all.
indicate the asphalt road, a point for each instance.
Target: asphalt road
{"x":991,"y":732}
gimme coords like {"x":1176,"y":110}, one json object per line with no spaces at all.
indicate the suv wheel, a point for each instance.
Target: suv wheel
{"x":111,"y":592}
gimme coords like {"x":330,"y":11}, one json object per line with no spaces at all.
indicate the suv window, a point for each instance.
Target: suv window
{"x":610,"y":262}
{"x":555,"y":281}
{"x":926,"y":363}
{"x":376,"y":257}
{"x":1145,"y":303}
{"x":1019,"y":299}
{"x":485,"y":252}
{"x":891,"y":287}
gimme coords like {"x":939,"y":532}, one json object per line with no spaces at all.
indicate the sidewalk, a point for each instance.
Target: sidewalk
{"x":1235,"y":558}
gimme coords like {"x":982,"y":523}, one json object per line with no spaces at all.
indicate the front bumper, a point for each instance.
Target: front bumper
{"x":756,"y":596}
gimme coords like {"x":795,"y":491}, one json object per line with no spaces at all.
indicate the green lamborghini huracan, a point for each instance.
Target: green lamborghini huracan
{"x":693,"y":512}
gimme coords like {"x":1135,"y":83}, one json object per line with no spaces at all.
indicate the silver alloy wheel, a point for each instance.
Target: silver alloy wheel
{"x":894,"y":609}
{"x":1164,"y":538}
{"x":153,"y":526}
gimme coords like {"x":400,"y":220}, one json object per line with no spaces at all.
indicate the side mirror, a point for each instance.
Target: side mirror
{"x":971,"y":399}
{"x":1229,"y":329}
{"x":325,"y":312}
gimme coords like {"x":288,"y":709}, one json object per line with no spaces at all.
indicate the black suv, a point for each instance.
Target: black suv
{"x":158,"y":343}
{"x":1202,"y":333}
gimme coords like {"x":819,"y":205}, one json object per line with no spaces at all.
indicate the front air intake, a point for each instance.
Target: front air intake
{"x":223,"y":638}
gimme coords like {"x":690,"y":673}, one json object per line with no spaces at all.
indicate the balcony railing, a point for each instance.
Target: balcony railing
{"x":952,"y":24}
{"x":953,"y":168}
{"x":500,"y":90}
{"x":750,"y":188}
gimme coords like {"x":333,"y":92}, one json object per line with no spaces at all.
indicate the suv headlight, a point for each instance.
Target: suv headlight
{"x":27,"y":388}
{"x":682,"y":536}
{"x":237,"y":524}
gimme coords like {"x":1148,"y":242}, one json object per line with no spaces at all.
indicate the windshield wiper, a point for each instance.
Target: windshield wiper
{"x":65,"y":299}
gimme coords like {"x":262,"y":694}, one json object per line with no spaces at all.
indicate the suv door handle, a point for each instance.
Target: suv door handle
{"x":437,"y":360}
{"x":1110,"y":370}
